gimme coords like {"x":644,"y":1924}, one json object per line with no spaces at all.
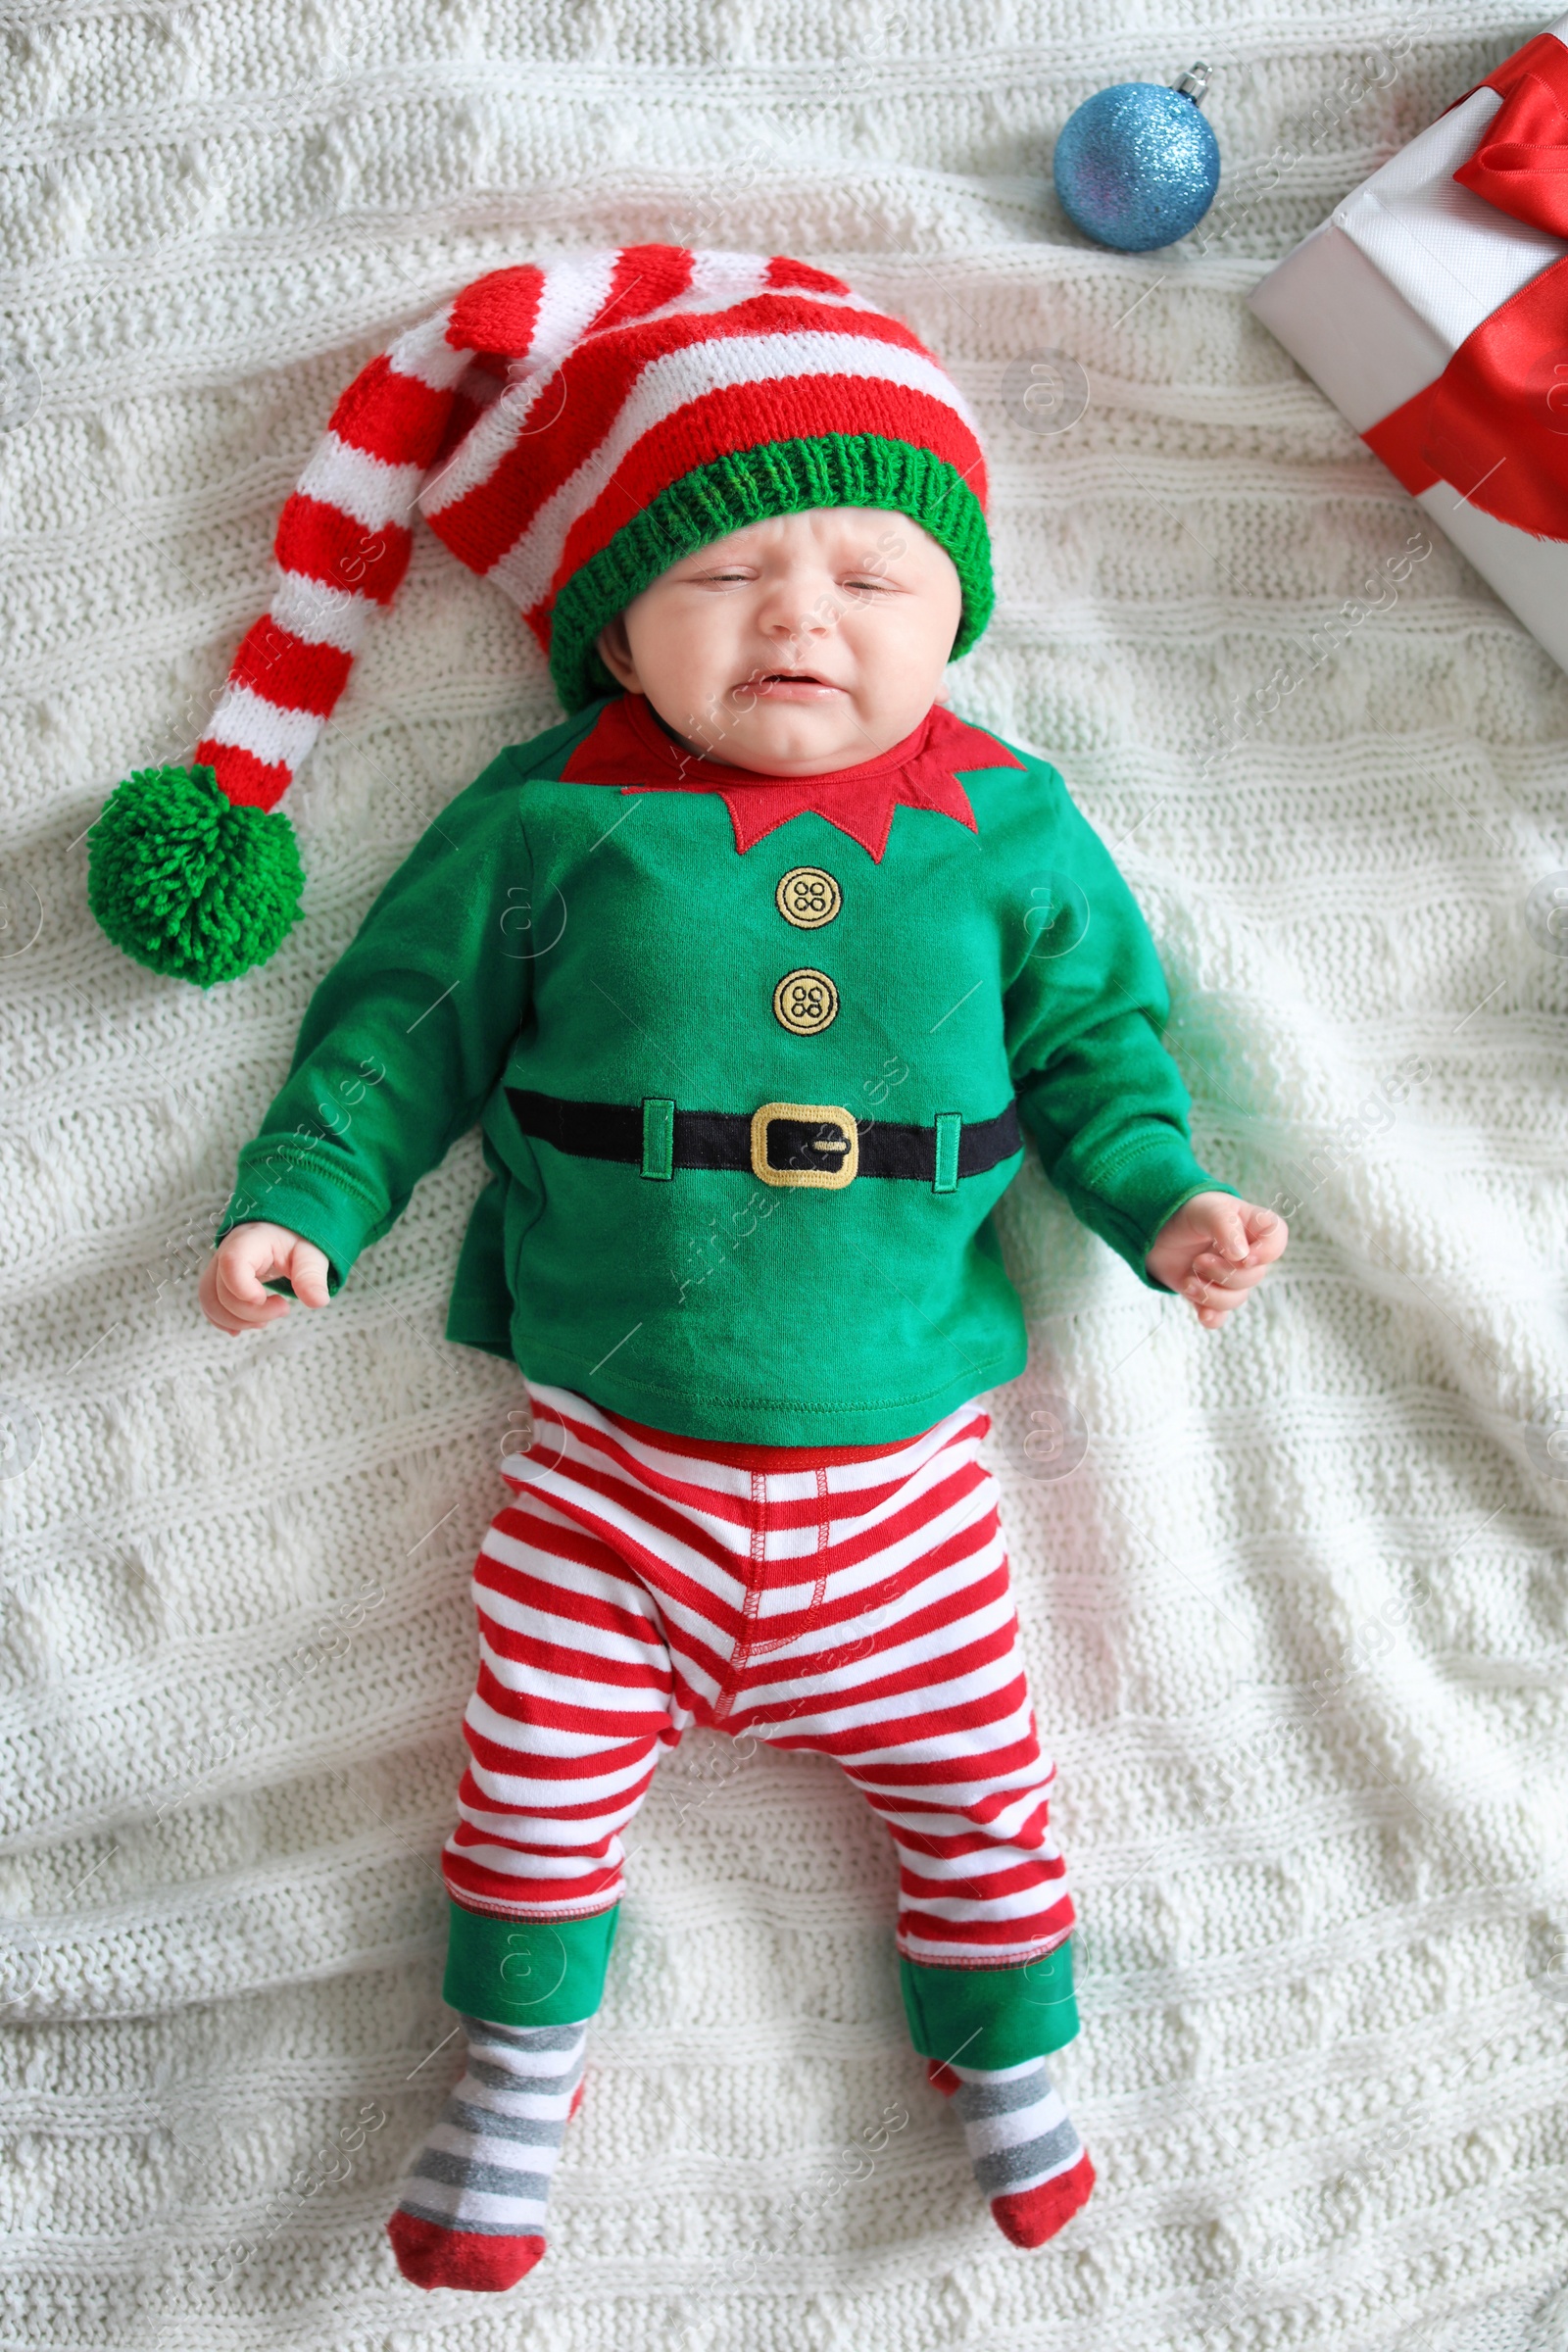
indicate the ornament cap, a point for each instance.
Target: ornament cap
{"x":1194,"y":83}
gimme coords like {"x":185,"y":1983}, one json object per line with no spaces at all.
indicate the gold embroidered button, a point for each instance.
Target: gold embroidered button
{"x":808,"y":897}
{"x":806,"y":1001}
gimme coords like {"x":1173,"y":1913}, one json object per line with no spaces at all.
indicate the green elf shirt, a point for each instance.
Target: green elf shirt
{"x":753,"y":1059}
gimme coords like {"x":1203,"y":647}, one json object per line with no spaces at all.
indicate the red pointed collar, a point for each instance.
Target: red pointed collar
{"x":630,"y":740}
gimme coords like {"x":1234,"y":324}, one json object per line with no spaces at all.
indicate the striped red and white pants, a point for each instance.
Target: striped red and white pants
{"x":853,"y":1601}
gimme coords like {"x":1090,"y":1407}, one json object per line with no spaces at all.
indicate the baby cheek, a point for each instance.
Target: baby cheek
{"x":685,"y":664}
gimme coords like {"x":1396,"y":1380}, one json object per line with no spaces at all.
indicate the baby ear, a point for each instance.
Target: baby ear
{"x":614,"y":648}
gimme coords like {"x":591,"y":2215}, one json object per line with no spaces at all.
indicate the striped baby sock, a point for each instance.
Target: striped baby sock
{"x":1023,"y":2144}
{"x":472,"y":2208}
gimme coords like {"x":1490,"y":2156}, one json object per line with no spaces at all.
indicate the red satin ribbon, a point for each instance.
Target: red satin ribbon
{"x":1495,"y":421}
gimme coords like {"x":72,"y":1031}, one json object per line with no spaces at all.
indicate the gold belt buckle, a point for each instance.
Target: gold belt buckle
{"x":827,"y":1162}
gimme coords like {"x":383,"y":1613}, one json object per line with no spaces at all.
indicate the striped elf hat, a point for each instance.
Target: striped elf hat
{"x":569,"y":432}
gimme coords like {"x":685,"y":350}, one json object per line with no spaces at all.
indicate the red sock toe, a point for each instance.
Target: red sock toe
{"x":1032,"y":2215}
{"x":941,"y":2075}
{"x":429,"y":2256}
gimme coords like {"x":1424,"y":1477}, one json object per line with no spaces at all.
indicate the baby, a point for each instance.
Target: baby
{"x":757,"y":973}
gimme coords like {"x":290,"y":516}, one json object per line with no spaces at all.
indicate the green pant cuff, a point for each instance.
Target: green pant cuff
{"x":990,"y":2017}
{"x":527,"y":1972}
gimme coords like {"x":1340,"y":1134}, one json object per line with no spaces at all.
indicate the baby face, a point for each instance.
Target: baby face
{"x":795,"y":645}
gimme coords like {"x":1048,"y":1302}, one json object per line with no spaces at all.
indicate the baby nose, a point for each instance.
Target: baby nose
{"x":796,"y":614}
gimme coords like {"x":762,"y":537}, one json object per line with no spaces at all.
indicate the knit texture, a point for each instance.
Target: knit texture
{"x":607,"y":412}
{"x":782,"y":478}
{"x":472,"y":2212}
{"x":1294,"y":1619}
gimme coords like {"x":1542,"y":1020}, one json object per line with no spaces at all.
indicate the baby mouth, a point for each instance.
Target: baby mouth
{"x":802,"y":679}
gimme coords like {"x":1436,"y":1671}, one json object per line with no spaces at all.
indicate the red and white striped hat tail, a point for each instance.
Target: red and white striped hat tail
{"x":342,"y":548}
{"x":526,"y":419}
{"x":344,"y":538}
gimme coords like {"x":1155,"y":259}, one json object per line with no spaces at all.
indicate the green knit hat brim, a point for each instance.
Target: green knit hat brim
{"x":752,"y":485}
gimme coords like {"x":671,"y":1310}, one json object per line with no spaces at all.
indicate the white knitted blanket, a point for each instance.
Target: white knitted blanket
{"x":1296,"y":1622}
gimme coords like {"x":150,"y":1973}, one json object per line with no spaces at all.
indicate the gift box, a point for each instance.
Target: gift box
{"x":1432,"y":308}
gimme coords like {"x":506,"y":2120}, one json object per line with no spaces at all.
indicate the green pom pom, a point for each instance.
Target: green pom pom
{"x":188,"y":883}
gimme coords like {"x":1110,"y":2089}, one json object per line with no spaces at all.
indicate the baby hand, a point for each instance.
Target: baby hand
{"x":1214,"y":1249}
{"x":231,"y":1293}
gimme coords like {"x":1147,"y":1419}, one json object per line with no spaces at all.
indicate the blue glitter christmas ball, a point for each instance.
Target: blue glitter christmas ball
{"x":1136,"y":166}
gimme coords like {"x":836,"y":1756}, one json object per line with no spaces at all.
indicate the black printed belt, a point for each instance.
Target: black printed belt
{"x":820,"y":1145}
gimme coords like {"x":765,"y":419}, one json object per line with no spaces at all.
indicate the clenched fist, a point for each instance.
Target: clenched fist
{"x":1214,"y":1249}
{"x":231,"y":1293}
